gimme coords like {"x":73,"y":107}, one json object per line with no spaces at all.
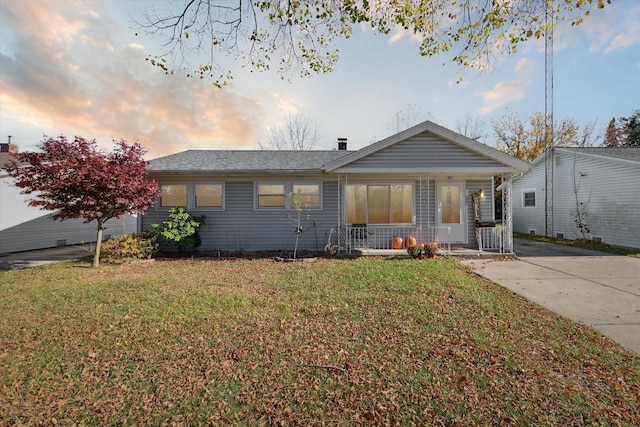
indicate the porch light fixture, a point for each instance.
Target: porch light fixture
{"x":481,"y":193}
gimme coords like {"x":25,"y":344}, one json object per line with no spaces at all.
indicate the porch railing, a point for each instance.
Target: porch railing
{"x":489,"y":238}
{"x":382,"y":237}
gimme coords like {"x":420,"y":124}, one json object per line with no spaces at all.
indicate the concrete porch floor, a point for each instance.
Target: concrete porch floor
{"x":463,"y":253}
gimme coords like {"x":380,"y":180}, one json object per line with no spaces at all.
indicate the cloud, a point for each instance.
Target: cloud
{"x":624,"y":40}
{"x":507,"y":91}
{"x":65,"y":71}
{"x":501,"y":94}
{"x":524,"y":66}
{"x":605,"y":30}
{"x":398,"y":33}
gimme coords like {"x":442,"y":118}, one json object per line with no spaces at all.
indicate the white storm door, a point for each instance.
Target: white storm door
{"x":451,"y":210}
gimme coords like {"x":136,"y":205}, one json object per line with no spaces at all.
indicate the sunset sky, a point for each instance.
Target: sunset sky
{"x":78,"y":68}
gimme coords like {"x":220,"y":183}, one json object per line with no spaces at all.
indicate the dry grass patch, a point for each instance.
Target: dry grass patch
{"x":349,"y":342}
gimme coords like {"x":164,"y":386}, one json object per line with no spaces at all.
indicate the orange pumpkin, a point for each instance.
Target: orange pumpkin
{"x":397,"y":242}
{"x":410,"y":241}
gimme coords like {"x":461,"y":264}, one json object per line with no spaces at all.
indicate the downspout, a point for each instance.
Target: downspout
{"x":493,"y":198}
{"x":428,"y":202}
{"x":420,"y":213}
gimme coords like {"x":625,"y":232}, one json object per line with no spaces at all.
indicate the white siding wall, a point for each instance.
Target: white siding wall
{"x":44,"y":232}
{"x":526,"y":219}
{"x":608,"y":191}
{"x":24,"y":228}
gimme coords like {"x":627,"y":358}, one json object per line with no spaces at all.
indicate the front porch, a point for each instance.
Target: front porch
{"x":394,"y":240}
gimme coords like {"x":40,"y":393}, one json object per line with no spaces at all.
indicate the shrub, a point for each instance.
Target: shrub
{"x":182,"y":228}
{"x":129,"y":247}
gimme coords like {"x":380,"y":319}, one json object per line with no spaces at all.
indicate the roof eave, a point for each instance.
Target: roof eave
{"x":236,"y":172}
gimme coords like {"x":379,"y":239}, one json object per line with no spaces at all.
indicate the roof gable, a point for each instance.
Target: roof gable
{"x":428,"y":147}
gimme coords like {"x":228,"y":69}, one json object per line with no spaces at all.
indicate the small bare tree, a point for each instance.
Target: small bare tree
{"x":586,"y":137}
{"x":404,"y":119}
{"x":471,"y":127}
{"x":580,"y":215}
{"x":298,"y":132}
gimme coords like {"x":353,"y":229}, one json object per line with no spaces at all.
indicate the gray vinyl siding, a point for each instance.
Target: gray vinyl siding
{"x":44,"y":232}
{"x":486,"y":206}
{"x":240,"y":227}
{"x":424,"y":151}
{"x":608,"y":191}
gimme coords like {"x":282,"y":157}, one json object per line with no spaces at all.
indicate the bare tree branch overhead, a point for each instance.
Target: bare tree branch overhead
{"x":298,"y":132}
{"x":301,"y":35}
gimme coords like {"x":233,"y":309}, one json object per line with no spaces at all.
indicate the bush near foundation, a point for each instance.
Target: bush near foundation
{"x":129,"y":247}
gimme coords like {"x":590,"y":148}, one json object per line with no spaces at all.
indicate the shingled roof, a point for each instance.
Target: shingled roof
{"x":245,"y":161}
{"x":624,"y":153}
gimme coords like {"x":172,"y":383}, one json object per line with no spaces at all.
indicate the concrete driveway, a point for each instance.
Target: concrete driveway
{"x":594,"y":288}
{"x":34,"y":258}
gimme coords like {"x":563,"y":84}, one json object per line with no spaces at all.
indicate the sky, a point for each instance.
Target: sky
{"x":78,"y":68}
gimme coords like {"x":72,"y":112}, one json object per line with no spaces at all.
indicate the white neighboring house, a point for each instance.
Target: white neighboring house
{"x":24,"y":228}
{"x":599,"y":182}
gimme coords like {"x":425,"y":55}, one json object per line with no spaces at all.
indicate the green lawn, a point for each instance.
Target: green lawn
{"x":333,"y":342}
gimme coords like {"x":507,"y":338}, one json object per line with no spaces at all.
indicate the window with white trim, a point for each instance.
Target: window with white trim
{"x":529,"y":198}
{"x":208,"y":195}
{"x":198,"y":196}
{"x":288,"y":195}
{"x":305,"y":195}
{"x":173,"y":195}
{"x":270,"y":195}
{"x":380,"y":203}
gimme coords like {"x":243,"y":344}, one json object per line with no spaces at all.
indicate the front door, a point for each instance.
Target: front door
{"x":452,"y":209}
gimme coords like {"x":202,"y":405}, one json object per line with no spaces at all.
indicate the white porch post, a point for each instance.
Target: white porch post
{"x":507,"y":225}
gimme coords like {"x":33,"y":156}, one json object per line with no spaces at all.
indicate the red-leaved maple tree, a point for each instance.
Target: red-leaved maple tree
{"x":79,"y":180}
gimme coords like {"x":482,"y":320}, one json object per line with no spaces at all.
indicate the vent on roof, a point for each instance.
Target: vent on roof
{"x":342,"y":144}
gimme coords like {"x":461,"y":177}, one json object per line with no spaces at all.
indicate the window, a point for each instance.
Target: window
{"x":529,"y":198}
{"x":379,"y":203}
{"x":208,"y":195}
{"x":271,"y":195}
{"x":288,"y":195}
{"x":305,"y":195}
{"x":200,"y":195}
{"x":173,"y":195}
{"x":450,"y":200}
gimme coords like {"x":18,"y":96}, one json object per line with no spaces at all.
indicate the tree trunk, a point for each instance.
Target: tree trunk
{"x":96,"y":254}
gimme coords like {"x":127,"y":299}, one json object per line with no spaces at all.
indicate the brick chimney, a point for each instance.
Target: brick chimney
{"x":342,"y":144}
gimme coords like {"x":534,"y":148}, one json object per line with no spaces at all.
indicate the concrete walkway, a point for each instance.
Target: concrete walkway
{"x":18,"y":260}
{"x":594,"y":288}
